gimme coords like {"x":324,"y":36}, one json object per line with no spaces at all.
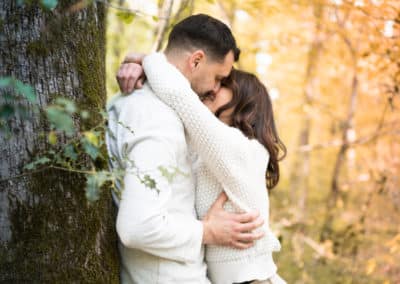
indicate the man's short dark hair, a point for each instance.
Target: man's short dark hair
{"x":204,"y":32}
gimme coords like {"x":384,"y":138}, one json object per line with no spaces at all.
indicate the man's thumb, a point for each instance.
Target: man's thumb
{"x":222,"y":198}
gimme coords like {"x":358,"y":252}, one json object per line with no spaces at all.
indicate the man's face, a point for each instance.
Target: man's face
{"x":208,"y":74}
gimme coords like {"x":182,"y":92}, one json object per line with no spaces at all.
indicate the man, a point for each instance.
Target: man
{"x":161,"y":241}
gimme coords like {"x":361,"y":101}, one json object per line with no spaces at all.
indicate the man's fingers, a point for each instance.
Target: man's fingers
{"x":222,"y":198}
{"x":246,"y":217}
{"x":250,"y":237}
{"x":240,"y":245}
{"x":250,"y":226}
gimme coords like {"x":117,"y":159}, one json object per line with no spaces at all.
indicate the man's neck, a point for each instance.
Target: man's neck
{"x":179,"y":61}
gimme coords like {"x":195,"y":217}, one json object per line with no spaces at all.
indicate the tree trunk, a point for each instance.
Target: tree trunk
{"x":301,"y":166}
{"x":347,"y":139}
{"x":165,"y":16}
{"x":48,"y":231}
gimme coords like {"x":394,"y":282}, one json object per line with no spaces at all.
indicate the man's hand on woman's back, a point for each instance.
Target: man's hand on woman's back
{"x":231,"y":229}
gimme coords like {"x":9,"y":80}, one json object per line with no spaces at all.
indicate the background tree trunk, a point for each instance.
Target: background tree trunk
{"x":300,"y":171}
{"x":49,"y":232}
{"x":165,"y":16}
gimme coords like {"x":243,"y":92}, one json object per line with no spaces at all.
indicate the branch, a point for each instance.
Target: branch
{"x":129,"y":11}
{"x":165,"y":14}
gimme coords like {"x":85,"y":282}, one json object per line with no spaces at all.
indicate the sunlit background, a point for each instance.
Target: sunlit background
{"x":333,"y":71}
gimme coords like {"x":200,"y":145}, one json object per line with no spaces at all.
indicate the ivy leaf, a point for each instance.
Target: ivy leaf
{"x":84,"y":114}
{"x":149,"y":182}
{"x":26,"y":90}
{"x":167,"y":174}
{"x":92,"y":189}
{"x":94,"y":183}
{"x":67,"y":104}
{"x":49,"y":4}
{"x":60,"y":120}
{"x":6,"y":111}
{"x":69,"y":152}
{"x":90,"y":149}
{"x":92,"y":137}
{"x":34,"y":164}
{"x":5,"y":81}
{"x":126,"y":17}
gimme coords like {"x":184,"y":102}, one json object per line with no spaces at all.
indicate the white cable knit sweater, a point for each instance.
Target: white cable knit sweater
{"x":228,"y":161}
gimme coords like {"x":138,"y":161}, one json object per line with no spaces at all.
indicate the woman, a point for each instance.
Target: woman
{"x":237,"y":154}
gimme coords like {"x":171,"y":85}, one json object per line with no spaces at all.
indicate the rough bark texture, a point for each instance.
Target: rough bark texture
{"x":48,"y":231}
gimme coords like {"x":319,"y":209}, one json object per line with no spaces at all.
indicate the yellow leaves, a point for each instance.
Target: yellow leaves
{"x":339,"y":203}
{"x":394,"y":244}
{"x":52,"y":138}
{"x":126,"y":17}
{"x":92,"y":138}
{"x":371,"y":266}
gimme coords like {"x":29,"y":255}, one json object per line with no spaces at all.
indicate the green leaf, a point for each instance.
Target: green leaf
{"x":155,"y":18}
{"x":26,"y":90}
{"x":6,"y":111}
{"x":69,"y":152}
{"x":60,"y":120}
{"x":5,"y":82}
{"x":67,"y":104}
{"x":34,"y":164}
{"x":90,"y":149}
{"x":149,"y":182}
{"x":84,"y":114}
{"x":94,"y":183}
{"x":92,"y":137}
{"x":49,"y":4}
{"x":167,"y":174}
{"x":126,"y":17}
{"x":92,"y":188}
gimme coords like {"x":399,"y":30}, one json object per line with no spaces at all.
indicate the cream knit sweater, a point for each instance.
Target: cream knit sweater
{"x":228,"y":161}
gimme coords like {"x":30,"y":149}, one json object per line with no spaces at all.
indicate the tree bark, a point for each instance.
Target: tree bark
{"x":48,"y":231}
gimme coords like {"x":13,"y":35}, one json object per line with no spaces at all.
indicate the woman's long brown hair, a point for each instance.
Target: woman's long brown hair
{"x":253,"y":115}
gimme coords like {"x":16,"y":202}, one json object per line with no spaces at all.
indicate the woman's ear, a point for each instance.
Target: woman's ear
{"x":196,"y":58}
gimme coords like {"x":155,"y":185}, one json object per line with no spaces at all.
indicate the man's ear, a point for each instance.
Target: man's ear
{"x":196,"y":58}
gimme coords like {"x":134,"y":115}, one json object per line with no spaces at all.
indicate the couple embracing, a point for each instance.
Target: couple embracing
{"x":205,"y":133}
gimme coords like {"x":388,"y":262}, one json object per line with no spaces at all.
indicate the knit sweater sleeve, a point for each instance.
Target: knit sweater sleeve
{"x":221,"y":147}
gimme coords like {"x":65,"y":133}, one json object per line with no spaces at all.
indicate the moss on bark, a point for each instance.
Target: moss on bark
{"x":56,"y":236}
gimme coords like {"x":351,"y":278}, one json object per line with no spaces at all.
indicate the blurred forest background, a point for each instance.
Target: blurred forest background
{"x":332,"y":68}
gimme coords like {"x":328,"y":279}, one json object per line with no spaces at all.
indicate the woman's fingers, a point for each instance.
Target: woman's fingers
{"x":128,"y":75}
